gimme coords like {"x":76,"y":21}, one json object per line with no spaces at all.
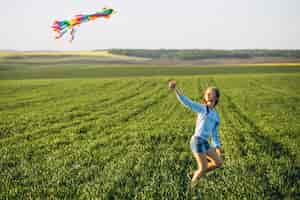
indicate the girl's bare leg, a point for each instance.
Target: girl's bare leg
{"x":216,"y":161}
{"x":202,"y":165}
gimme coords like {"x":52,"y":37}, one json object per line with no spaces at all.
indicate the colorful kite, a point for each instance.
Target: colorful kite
{"x":61,"y":27}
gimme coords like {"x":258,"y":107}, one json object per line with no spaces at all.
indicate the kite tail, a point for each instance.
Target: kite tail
{"x":60,"y":28}
{"x":60,"y":33}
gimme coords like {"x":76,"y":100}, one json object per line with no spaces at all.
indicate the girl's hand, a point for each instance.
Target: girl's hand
{"x":172,"y":84}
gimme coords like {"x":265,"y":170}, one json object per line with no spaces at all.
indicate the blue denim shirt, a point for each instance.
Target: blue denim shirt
{"x":207,"y":120}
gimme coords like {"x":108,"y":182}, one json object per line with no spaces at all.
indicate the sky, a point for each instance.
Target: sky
{"x":169,"y":24}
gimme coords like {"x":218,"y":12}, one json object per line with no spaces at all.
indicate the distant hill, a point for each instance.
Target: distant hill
{"x":156,"y":56}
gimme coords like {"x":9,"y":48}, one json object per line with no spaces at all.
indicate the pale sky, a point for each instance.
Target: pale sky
{"x":213,"y":24}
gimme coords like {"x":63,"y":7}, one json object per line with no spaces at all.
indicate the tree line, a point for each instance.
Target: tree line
{"x":194,"y":54}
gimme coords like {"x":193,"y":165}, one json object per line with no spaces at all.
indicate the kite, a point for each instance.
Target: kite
{"x":62,"y":27}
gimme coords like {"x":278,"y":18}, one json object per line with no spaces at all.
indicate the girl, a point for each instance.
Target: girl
{"x":207,"y":156}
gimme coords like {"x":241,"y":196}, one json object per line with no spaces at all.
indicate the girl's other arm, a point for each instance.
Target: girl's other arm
{"x":216,"y":140}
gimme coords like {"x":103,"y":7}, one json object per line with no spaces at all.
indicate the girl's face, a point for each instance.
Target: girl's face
{"x":210,"y":98}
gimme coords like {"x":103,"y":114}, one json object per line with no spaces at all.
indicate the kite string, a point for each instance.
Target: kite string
{"x":72,"y":34}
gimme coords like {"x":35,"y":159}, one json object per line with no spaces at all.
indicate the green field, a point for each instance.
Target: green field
{"x":78,"y":131}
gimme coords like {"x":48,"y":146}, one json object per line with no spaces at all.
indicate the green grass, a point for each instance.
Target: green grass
{"x":71,"y":132}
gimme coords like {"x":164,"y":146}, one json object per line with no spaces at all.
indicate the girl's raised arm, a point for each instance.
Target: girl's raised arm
{"x":194,"y":106}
